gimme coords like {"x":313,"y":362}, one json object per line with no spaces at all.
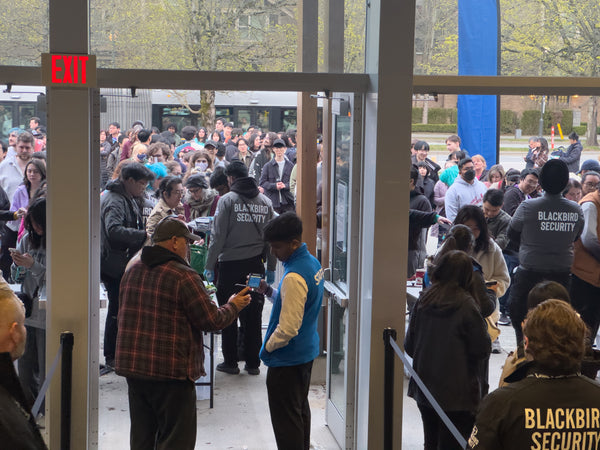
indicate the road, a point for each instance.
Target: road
{"x":512,"y":150}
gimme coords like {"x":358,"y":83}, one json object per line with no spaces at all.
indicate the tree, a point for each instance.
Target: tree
{"x":205,"y":26}
{"x":238,"y":35}
{"x":564,"y":41}
{"x":23,"y":32}
{"x":436,"y":37}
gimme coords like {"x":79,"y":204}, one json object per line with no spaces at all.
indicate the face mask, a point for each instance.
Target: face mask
{"x":469,"y":175}
{"x":142,"y":157}
{"x":202,"y":166}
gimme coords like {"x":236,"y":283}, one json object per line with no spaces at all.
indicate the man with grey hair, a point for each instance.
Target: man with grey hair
{"x":17,"y":425}
{"x":534,"y":144}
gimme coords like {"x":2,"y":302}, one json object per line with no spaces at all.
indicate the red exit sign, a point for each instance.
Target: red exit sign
{"x":69,"y":71}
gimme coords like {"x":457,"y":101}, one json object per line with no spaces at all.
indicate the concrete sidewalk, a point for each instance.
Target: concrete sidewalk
{"x":240,"y":418}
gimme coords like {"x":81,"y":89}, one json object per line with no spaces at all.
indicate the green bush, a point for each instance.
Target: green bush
{"x":581,"y":130}
{"x":449,"y":128}
{"x":508,"y":122}
{"x":567,"y":121}
{"x":417,"y":115}
{"x":530,"y":122}
{"x":441,"y":116}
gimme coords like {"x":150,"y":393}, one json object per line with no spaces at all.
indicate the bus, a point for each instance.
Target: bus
{"x":270,"y":111}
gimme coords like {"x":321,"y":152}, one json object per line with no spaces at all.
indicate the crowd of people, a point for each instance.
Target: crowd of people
{"x":154,"y":186}
{"x":508,"y":241}
{"x":501,"y":235}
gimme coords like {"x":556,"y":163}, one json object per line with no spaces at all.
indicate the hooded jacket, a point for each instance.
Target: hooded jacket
{"x":545,"y":229}
{"x":122,"y":230}
{"x":240,"y":218}
{"x":450,"y":346}
{"x":572,"y":156}
{"x":462,"y":193}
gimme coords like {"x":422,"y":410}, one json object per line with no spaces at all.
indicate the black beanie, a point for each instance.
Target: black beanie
{"x":554,"y":176}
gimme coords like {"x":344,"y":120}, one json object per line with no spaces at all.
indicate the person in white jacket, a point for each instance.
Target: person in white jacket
{"x":466,"y":189}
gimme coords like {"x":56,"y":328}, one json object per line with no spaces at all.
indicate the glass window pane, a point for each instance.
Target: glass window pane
{"x":521,"y":117}
{"x":262,"y":119}
{"x":6,"y":121}
{"x":194,"y":34}
{"x":243,"y":119}
{"x":536,"y":38}
{"x":355,"y":15}
{"x":23,"y":32}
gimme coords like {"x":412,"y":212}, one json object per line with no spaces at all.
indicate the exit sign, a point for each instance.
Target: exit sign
{"x":69,"y":70}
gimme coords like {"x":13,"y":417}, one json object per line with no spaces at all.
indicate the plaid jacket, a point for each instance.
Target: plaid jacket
{"x":163,"y":309}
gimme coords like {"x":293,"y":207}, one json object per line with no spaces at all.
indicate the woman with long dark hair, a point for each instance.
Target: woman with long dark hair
{"x":34,"y":176}
{"x":485,"y":250}
{"x":448,"y":341}
{"x":29,"y":269}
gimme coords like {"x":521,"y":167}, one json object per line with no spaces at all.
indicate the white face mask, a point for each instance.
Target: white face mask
{"x":202,"y":166}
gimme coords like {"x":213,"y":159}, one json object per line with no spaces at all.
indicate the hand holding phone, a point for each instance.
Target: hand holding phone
{"x":254,"y":281}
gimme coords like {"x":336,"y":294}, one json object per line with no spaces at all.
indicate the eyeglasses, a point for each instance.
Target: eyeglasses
{"x":179,"y":192}
{"x":194,"y":190}
{"x":591,"y":185}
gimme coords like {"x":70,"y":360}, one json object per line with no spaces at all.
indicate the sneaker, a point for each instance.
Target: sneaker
{"x":496,"y":348}
{"x":252,"y":370}
{"x":107,"y":368}
{"x":232,"y":370}
{"x":504,"y":320}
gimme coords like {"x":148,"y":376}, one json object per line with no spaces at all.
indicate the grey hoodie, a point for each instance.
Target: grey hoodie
{"x":240,"y":218}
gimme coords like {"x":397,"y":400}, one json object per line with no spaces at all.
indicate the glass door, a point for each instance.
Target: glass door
{"x":342,"y":284}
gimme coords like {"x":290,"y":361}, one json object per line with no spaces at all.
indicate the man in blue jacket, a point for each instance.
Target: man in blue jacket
{"x":291,"y":342}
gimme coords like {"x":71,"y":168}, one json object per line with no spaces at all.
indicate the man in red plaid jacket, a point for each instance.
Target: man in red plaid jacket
{"x":163,"y":311}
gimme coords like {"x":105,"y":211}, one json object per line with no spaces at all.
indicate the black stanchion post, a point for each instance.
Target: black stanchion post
{"x":66,"y":377}
{"x":388,"y":390}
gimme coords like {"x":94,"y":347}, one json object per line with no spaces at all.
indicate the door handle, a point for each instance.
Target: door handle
{"x":336,"y":294}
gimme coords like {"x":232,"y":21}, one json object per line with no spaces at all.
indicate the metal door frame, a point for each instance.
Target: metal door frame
{"x":341,"y":427}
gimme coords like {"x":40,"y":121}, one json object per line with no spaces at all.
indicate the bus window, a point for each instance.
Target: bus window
{"x":6,"y":120}
{"x":262,"y":119}
{"x":243,"y":119}
{"x":289,"y":119}
{"x":26,"y":112}
{"x":224,"y":113}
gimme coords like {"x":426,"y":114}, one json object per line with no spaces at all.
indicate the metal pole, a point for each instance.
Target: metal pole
{"x":541,"y":128}
{"x":388,"y":389}
{"x":66,"y":377}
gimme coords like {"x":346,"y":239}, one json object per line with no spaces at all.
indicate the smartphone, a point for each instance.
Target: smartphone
{"x":242,"y":286}
{"x":12,"y":250}
{"x":254,"y":280}
{"x":491,"y":283}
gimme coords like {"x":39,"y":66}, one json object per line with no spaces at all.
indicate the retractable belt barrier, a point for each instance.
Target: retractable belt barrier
{"x":389,"y":338}
{"x":65,"y":350}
